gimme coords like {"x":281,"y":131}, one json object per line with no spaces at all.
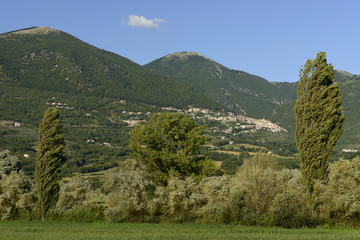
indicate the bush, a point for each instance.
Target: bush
{"x":289,"y":208}
{"x":73,"y":193}
{"x":258,"y":179}
{"x":8,"y":163}
{"x":130,"y":188}
{"x":340,"y":197}
{"x":16,"y":192}
{"x":215,"y":193}
{"x":181,"y":200}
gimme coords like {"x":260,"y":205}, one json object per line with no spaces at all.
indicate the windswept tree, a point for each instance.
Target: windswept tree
{"x":168,"y":145}
{"x":50,"y":157}
{"x":319,"y":118}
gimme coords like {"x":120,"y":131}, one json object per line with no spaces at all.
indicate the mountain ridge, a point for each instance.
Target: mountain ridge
{"x":73,"y":65}
{"x":240,"y":91}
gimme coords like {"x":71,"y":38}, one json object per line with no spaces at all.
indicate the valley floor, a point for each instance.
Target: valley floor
{"x":75,"y":230}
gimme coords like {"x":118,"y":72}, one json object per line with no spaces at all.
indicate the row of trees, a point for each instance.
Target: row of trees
{"x":260,"y":193}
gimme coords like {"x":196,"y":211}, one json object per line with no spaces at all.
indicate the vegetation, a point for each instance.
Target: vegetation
{"x":50,"y":157}
{"x":260,"y":193}
{"x":16,"y":189}
{"x":319,"y":118}
{"x":168,"y":144}
{"x":8,"y":163}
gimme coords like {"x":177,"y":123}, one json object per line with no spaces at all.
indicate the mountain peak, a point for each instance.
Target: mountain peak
{"x":345,"y":73}
{"x":184,"y":55}
{"x":36,"y":30}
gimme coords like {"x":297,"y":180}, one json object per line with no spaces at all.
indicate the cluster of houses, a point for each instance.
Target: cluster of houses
{"x":242,"y":122}
{"x":59,"y":105}
{"x":11,"y":123}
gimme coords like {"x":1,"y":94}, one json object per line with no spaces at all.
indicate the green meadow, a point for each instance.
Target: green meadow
{"x":78,"y":230}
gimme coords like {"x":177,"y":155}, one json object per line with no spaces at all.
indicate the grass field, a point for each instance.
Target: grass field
{"x":73,"y":230}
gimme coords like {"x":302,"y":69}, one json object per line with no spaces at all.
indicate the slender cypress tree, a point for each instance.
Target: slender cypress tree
{"x":319,"y":119}
{"x":50,"y":156}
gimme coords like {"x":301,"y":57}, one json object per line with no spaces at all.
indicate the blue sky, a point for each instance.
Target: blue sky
{"x":268,"y":38}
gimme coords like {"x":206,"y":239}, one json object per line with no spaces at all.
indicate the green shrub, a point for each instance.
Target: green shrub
{"x":258,"y":186}
{"x":289,"y":208}
{"x":340,"y":197}
{"x":73,"y":193}
{"x":16,"y":192}
{"x":8,"y":163}
{"x":216,"y":193}
{"x":130,"y":188}
{"x":183,"y":198}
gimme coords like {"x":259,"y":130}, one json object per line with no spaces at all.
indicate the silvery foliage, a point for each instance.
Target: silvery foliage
{"x":16,"y":192}
{"x":8,"y":163}
{"x":130,"y":189}
{"x":340,"y":196}
{"x":74,"y":192}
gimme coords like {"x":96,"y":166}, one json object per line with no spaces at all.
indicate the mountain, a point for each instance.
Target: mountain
{"x":349,"y":85}
{"x":95,"y":91}
{"x":46,"y":59}
{"x":288,"y":88}
{"x":239,"y":91}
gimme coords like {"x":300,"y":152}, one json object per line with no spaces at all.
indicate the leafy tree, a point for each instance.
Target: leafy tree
{"x":50,"y":156}
{"x":74,"y":192}
{"x":16,"y":192}
{"x":8,"y":163}
{"x":340,"y":196}
{"x":15,"y":187}
{"x":168,"y":144}
{"x":319,"y":118}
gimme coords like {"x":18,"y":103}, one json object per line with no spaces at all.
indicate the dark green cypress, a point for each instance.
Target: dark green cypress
{"x":50,"y":156}
{"x":319,"y":119}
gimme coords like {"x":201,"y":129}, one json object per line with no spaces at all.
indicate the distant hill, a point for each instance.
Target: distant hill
{"x":46,"y":59}
{"x":288,"y":88}
{"x":241,"y":92}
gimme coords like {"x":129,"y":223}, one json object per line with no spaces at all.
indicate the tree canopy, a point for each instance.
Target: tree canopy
{"x":168,"y":144}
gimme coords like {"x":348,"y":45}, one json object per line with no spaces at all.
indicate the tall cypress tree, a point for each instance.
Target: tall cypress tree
{"x":50,"y":156}
{"x":319,"y":118}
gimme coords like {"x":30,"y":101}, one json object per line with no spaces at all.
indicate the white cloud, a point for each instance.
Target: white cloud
{"x":141,"y":21}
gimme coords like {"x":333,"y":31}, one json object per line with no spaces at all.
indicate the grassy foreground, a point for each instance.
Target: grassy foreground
{"x":74,"y":230}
